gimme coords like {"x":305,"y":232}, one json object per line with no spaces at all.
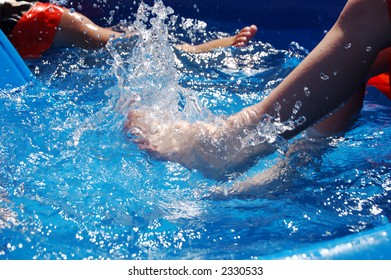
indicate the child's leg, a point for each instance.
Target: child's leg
{"x":382,"y":63}
{"x":332,"y":72}
{"x":340,"y":120}
{"x":334,"y":69}
{"x":239,"y":40}
{"x":76,"y":30}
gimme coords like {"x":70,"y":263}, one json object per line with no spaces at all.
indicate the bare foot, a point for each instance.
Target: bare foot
{"x":303,"y":155}
{"x":244,"y":36}
{"x":239,"y":40}
{"x":267,"y":184}
{"x":215,"y":149}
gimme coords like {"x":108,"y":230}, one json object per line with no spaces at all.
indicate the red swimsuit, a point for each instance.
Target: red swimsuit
{"x":382,"y":82}
{"x":35,"y":31}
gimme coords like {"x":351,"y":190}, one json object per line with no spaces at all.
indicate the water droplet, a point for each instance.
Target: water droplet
{"x":335,"y":73}
{"x":307,"y":91}
{"x":277,"y":106}
{"x":71,"y":10}
{"x":324,"y":77}
{"x":301,"y":120}
{"x":296,"y":108}
{"x":368,"y":49}
{"x":348,"y":45}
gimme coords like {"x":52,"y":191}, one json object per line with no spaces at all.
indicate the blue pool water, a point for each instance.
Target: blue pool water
{"x":74,"y":186}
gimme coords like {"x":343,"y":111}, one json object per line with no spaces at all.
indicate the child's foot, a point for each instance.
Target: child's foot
{"x":239,"y":40}
{"x":214,"y":149}
{"x":244,"y":36}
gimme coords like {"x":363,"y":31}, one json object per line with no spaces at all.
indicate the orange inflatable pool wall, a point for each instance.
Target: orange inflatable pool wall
{"x":382,"y":83}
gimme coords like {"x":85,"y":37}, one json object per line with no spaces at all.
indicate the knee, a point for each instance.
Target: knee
{"x":355,"y":11}
{"x":369,"y":17}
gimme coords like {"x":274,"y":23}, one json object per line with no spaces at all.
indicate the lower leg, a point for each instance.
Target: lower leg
{"x":333,"y":70}
{"x":339,"y":121}
{"x":239,"y":40}
{"x":76,"y":30}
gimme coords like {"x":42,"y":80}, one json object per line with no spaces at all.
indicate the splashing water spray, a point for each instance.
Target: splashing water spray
{"x":148,"y":79}
{"x":145,"y":67}
{"x":270,"y":128}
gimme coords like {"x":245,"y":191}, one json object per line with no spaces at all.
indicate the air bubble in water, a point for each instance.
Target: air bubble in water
{"x":368,"y":49}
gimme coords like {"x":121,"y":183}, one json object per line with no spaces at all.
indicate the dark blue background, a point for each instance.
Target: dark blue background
{"x":279,"y":21}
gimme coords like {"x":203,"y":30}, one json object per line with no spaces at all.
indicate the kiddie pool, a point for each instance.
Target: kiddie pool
{"x":72,"y":185}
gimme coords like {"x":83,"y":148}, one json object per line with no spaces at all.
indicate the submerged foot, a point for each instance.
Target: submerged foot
{"x":215,"y":149}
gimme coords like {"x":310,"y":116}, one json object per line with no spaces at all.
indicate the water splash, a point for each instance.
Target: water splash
{"x":145,"y":67}
{"x":270,"y":128}
{"x":59,"y":2}
{"x":307,"y":91}
{"x":324,"y":77}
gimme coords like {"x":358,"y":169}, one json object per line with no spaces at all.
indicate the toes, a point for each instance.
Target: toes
{"x":249,"y":31}
{"x":245,"y":29}
{"x":135,"y":131}
{"x":143,"y":144}
{"x":253,"y":29}
{"x":240,"y":44}
{"x":134,"y":115}
{"x":241,"y":41}
{"x":245,"y":35}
